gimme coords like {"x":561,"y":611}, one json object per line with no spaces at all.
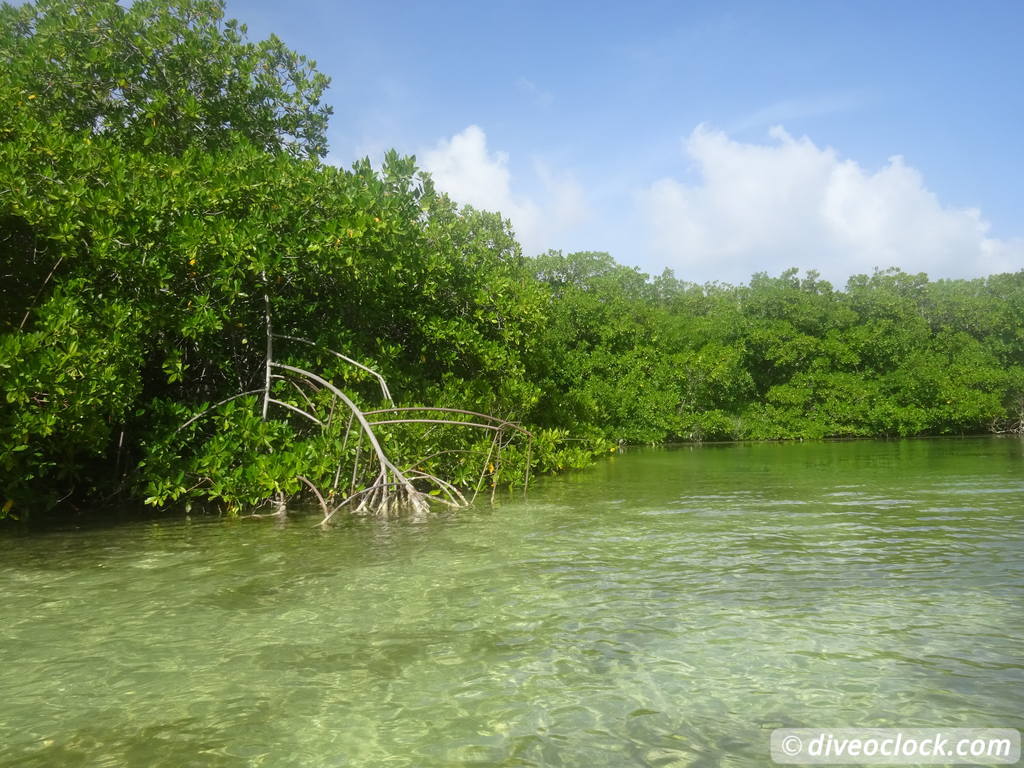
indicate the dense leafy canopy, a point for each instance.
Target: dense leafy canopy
{"x":169,"y":76}
{"x":160,"y":177}
{"x":783,"y":357}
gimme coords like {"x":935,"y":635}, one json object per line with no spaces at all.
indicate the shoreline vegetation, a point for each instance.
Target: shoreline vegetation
{"x":196,"y":310}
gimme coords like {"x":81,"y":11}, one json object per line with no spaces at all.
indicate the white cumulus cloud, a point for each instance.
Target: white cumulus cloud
{"x":790,"y":203}
{"x":471,"y":174}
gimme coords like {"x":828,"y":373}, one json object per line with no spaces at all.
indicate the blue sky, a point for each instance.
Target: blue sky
{"x":717,"y":139}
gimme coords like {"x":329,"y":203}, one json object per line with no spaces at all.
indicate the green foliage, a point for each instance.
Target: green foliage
{"x":161,"y":176}
{"x":139,"y":237}
{"x":163,"y":74}
{"x":781,"y":358}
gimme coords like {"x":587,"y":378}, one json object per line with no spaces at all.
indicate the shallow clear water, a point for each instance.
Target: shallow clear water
{"x":665,"y":608}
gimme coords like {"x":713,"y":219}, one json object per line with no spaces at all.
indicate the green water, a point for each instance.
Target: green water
{"x":666,"y":608}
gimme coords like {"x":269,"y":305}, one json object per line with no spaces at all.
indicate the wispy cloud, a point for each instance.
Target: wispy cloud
{"x":788,"y":110}
{"x":534,"y":92}
{"x":767,"y":207}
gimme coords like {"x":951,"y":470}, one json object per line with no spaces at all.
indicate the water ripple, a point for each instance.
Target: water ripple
{"x":664,"y":609}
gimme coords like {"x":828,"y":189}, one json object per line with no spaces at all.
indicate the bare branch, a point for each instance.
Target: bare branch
{"x":483,"y":469}
{"x":486,"y":416}
{"x":435,"y":454}
{"x":24,"y":319}
{"x":383,"y":384}
{"x":297,"y":388}
{"x":297,"y":410}
{"x":217,"y":405}
{"x":319,"y":496}
{"x":440,"y":421}
{"x":529,"y":459}
{"x":456,"y":496}
{"x":270,"y":351}
{"x":391,"y":489}
{"x":375,"y":444}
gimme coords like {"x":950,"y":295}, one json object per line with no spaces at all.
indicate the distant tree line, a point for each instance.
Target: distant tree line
{"x":892,"y":355}
{"x":162,"y":197}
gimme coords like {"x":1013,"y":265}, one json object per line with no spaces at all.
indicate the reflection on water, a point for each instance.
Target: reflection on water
{"x":666,"y":608}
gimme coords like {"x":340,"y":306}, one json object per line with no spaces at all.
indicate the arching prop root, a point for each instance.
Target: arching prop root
{"x":1012,"y":424}
{"x":392,"y":490}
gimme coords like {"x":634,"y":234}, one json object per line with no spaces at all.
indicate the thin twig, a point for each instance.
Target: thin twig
{"x":348,"y":427}
{"x":297,"y":410}
{"x":319,"y":496}
{"x":510,"y":424}
{"x":457,"y":499}
{"x":529,"y":460}
{"x":217,"y":405}
{"x":24,"y":319}
{"x":270,"y":351}
{"x":440,"y":421}
{"x":355,"y":465}
{"x":374,"y":443}
{"x":483,"y":469}
{"x":341,"y":459}
{"x":298,"y":389}
{"x":383,"y":384}
{"x":435,"y":454}
{"x":494,"y":474}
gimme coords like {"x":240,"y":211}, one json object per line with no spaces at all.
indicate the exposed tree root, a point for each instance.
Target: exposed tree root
{"x":392,"y":490}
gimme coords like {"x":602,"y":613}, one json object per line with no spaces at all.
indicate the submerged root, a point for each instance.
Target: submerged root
{"x":384,"y":499}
